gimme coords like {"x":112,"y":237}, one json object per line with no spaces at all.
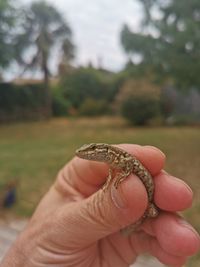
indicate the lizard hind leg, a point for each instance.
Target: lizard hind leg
{"x":152,"y":211}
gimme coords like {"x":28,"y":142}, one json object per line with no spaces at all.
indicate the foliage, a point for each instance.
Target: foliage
{"x":7,"y":22}
{"x":21,"y":102}
{"x":168,"y":40}
{"x":60,"y":106}
{"x":86,"y":83}
{"x":138,"y":101}
{"x":136,"y":87}
{"x":139,"y":109}
{"x":68,"y":50}
{"x":93,"y":107}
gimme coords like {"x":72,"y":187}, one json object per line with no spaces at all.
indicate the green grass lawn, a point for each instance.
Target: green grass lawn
{"x":34,"y":152}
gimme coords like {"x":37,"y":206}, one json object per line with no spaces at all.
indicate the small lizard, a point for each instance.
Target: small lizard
{"x":121,"y":164}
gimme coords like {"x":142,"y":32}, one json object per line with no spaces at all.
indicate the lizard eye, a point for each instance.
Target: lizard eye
{"x":92,"y":145}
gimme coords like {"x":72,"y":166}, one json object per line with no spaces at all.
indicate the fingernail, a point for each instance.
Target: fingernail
{"x":117,"y":198}
{"x":184,"y":223}
{"x":185,"y":184}
{"x":156,"y":149}
{"x":179,"y":180}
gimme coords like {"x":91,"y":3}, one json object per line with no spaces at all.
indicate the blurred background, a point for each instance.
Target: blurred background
{"x":99,"y":71}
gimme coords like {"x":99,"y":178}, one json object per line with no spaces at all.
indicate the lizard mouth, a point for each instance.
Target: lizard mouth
{"x":78,"y":152}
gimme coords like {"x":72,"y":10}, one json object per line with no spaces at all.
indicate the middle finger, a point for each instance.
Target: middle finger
{"x":174,"y":234}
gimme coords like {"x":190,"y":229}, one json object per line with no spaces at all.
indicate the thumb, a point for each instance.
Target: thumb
{"x":104,"y":213}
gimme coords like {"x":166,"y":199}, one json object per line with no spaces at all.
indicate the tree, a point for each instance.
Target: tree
{"x":168,"y":40}
{"x":43,"y":28}
{"x":7,"y":22}
{"x":64,"y":67}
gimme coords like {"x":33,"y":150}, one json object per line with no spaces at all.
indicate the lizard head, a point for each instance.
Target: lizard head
{"x":96,"y":152}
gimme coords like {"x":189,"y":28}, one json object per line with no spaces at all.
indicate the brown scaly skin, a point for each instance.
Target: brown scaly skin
{"x":122,"y":164}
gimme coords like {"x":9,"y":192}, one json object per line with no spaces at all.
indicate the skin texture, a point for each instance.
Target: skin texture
{"x":76,"y":224}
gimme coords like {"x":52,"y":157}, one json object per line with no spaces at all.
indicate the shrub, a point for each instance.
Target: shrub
{"x":60,"y":106}
{"x":80,"y":85}
{"x":140,"y":109}
{"x":93,"y":107}
{"x":87,"y":83}
{"x":138,"y":100}
{"x":136,"y":87}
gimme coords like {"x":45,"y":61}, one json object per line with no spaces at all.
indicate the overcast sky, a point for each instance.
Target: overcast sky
{"x":96,"y":26}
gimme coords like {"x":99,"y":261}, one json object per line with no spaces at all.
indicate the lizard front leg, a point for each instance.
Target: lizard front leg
{"x":108,"y":180}
{"x":122,"y":175}
{"x":119,"y":178}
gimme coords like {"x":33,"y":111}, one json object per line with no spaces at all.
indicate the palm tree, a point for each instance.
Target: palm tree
{"x":42,"y":29}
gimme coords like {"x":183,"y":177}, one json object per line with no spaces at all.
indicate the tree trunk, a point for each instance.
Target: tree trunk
{"x":48,"y":96}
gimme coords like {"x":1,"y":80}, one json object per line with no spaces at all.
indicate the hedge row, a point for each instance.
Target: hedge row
{"x":19,"y":102}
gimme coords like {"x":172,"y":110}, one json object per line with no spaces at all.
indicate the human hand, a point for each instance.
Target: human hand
{"x":76,"y":224}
